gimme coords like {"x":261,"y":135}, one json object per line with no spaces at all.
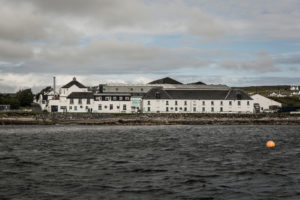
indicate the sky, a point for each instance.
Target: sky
{"x":233,"y":42}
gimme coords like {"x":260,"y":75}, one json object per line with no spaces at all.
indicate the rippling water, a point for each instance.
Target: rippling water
{"x":149,"y":162}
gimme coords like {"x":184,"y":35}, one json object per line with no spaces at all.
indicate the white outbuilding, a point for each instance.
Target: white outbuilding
{"x":264,"y":102}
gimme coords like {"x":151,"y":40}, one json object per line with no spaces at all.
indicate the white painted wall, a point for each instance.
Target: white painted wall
{"x":96,"y":106}
{"x":264,"y":102}
{"x":197,"y":106}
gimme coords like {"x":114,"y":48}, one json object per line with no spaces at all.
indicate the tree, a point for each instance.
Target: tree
{"x":25,"y":97}
{"x":8,"y":100}
{"x":46,"y":89}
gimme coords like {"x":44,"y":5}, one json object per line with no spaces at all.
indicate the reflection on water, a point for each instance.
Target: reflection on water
{"x":155,"y":162}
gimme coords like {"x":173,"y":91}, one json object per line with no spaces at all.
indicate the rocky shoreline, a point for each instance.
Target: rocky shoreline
{"x":147,"y":119}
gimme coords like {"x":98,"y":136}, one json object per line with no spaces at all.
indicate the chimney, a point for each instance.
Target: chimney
{"x":54,"y":85}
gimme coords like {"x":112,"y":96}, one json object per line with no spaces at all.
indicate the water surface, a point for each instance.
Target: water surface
{"x":149,"y":162}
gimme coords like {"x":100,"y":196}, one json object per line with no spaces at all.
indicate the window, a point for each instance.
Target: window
{"x":167,"y":102}
{"x":221,"y":103}
{"x":148,"y":102}
{"x":230,"y":103}
{"x":176,"y":109}
{"x":121,"y":98}
{"x":106,"y":98}
{"x":88,"y":101}
{"x":203,"y":103}
{"x":75,"y":107}
{"x":111,"y":106}
{"x":194,"y":109}
{"x":86,"y":107}
{"x":70,"y":107}
{"x":148,"y":109}
{"x":176,"y":103}
{"x":221,"y":109}
{"x":114,"y":98}
{"x":124,"y":106}
{"x":127,"y":98}
{"x":97,"y":98}
{"x":239,"y":103}
{"x":185,"y":103}
{"x":212,"y":109}
{"x":167,"y":109}
{"x":185,"y":108}
{"x":203,"y":109}
{"x":212,"y":103}
{"x":99,"y":107}
{"x":248,"y":103}
{"x":79,"y":101}
{"x":71,"y":101}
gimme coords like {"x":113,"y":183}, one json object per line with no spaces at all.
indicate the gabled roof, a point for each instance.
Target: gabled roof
{"x":166,"y":80}
{"x":81,"y":95}
{"x":73,"y":82}
{"x":152,"y":94}
{"x":159,"y":93}
{"x":236,"y":94}
{"x":197,"y":83}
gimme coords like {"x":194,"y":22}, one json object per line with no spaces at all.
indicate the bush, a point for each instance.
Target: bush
{"x":25,"y":97}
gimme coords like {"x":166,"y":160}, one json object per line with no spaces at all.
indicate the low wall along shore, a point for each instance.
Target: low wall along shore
{"x":147,"y":119}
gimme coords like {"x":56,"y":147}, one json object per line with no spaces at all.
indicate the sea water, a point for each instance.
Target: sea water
{"x":149,"y":162}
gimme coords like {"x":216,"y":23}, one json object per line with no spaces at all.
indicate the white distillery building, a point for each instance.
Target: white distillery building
{"x":218,"y":99}
{"x":161,"y":96}
{"x":265,"y":103}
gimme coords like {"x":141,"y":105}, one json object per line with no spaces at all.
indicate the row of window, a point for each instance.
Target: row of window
{"x":88,"y":101}
{"x":75,"y":107}
{"x":113,"y":98}
{"x":203,"y":103}
{"x":212,"y":109}
{"x":111,"y":107}
{"x":131,"y":89}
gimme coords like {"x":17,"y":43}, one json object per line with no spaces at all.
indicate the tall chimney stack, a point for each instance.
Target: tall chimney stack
{"x":54,"y":85}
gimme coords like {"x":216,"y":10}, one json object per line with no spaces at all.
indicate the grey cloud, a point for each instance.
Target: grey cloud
{"x":108,"y":57}
{"x":14,"y":51}
{"x":133,"y":15}
{"x":229,"y":64}
{"x":288,"y":59}
{"x":22,"y":23}
{"x":263,"y":63}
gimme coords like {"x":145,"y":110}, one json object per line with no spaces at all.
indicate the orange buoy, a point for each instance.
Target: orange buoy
{"x":270,"y":144}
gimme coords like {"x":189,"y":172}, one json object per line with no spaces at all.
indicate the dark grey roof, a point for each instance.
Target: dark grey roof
{"x":166,"y":80}
{"x":236,"y":94}
{"x":197,"y":83}
{"x":159,"y":93}
{"x":73,"y":82}
{"x":81,"y":95}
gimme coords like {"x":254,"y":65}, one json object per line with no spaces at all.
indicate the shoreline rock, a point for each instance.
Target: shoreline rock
{"x":149,"y":122}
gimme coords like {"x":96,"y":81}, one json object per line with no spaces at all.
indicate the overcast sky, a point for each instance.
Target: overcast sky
{"x":233,"y":42}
